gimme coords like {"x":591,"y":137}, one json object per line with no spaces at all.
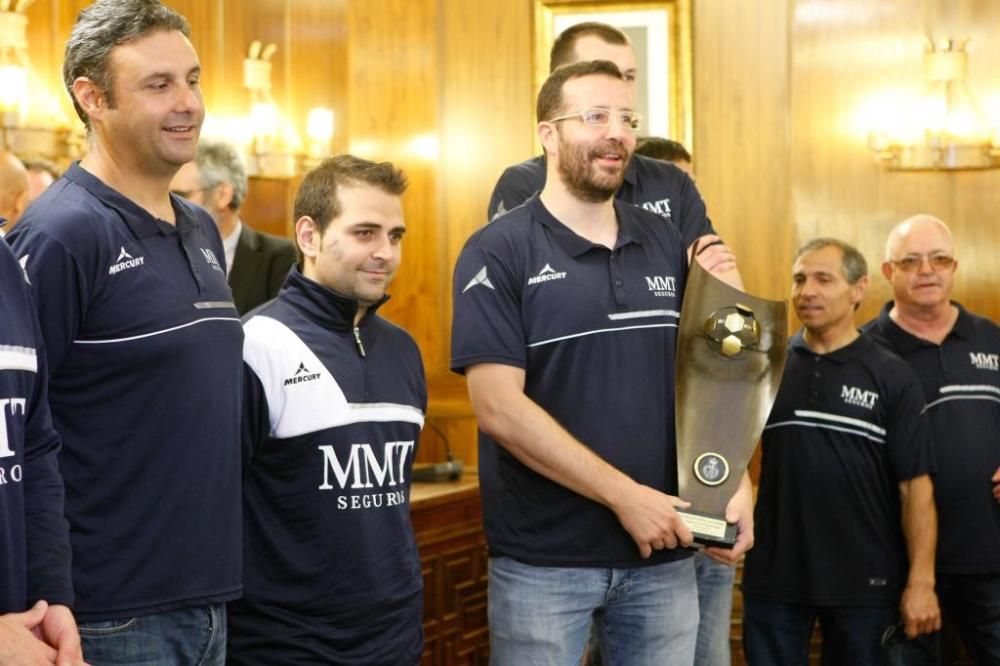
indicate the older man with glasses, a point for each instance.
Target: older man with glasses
{"x":957,"y":356}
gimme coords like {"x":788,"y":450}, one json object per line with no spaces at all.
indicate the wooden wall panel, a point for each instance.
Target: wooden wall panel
{"x":741,"y":120}
{"x":845,"y":56}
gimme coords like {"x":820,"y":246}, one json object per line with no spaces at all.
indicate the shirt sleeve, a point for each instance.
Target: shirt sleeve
{"x":486,"y":322}
{"x":49,"y":557}
{"x":910,"y":442}
{"x":59,"y":287}
{"x":691,"y":215}
{"x":256,"y":421}
{"x":514,"y":188}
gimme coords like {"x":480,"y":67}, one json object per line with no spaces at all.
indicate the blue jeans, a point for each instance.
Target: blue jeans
{"x":542,"y":615}
{"x":190,"y":636}
{"x":972,"y":603}
{"x":778,"y":633}
{"x":715,"y":605}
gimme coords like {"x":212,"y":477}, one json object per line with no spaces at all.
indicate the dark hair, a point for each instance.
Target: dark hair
{"x":219,"y":163}
{"x":41,"y":164}
{"x":853,"y":262}
{"x":317,"y":195}
{"x":564,"y":48}
{"x":550,"y":97}
{"x":662,"y":149}
{"x":100,"y":28}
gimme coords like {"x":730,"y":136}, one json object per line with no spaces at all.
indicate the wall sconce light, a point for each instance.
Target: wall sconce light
{"x":319,"y":130}
{"x":275,"y":143}
{"x":950,"y":131}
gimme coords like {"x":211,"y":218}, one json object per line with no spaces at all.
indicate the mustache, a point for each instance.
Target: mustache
{"x":610,"y":147}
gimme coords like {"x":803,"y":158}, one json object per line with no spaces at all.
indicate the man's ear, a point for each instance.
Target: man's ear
{"x":308,"y":236}
{"x":548,"y":136}
{"x":89,"y":97}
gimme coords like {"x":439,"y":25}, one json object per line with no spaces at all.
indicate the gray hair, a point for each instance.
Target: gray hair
{"x":100,"y":28}
{"x":220,"y":163}
{"x":853,"y":262}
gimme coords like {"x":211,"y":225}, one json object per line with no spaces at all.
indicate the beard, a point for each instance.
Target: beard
{"x":585,"y":180}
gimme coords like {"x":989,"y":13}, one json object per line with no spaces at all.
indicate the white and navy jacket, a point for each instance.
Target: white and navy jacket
{"x":332,"y":418}
{"x":34,"y":539}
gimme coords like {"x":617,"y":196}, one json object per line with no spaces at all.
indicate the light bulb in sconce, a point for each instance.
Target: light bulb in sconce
{"x":319,"y":130}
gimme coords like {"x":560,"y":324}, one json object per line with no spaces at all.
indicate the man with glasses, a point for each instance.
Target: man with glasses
{"x":652,"y":184}
{"x":845,"y":511}
{"x":565,"y":326}
{"x":956,"y":354}
{"x":256,"y":263}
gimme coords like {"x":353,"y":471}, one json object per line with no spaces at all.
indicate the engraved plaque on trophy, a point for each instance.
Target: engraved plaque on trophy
{"x":730,"y":355}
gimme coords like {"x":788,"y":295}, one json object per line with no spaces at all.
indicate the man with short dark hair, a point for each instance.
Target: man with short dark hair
{"x":568,"y":354}
{"x":652,"y":184}
{"x":41,"y":174}
{"x":143,"y":345}
{"x":256,"y":263}
{"x":334,"y":401}
{"x":845,"y":515}
{"x":955,"y":353}
{"x":34,"y":537}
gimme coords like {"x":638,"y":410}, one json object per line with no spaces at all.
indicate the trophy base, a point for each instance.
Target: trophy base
{"x":709,"y":530}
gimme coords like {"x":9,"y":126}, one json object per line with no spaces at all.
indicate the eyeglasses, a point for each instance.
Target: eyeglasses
{"x":596,"y":117}
{"x":186,"y":194}
{"x":913,"y":262}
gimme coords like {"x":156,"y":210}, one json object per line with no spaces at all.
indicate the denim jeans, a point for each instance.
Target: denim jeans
{"x":778,"y":633}
{"x":715,"y":605}
{"x":187,"y":636}
{"x":542,"y":615}
{"x":972,"y":603}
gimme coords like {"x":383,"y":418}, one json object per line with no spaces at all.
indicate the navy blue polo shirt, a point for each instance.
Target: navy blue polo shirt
{"x":595,"y":331}
{"x":34,"y":539}
{"x":845,"y":430}
{"x":144,"y":350}
{"x":961,"y":381}
{"x":654,"y":185}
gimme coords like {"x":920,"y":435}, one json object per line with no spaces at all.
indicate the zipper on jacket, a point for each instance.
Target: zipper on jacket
{"x":357,"y":341}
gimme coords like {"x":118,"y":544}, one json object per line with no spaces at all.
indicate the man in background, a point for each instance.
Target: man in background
{"x":256,"y":263}
{"x":955,"y":353}
{"x":143,"y":346}
{"x":568,"y":355}
{"x":715,"y":578}
{"x":13,"y":191}
{"x":334,"y":399}
{"x":41,"y":174}
{"x":654,"y":185}
{"x":845,"y":515}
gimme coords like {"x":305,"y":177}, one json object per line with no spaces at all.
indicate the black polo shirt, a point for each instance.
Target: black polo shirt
{"x":845,"y":429}
{"x":961,"y":380}
{"x":595,"y":331}
{"x":145,"y":355}
{"x":655,"y":185}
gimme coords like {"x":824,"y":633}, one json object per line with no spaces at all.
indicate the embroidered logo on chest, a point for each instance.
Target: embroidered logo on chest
{"x":124,"y":262}
{"x":661,"y":207}
{"x":858,"y":398}
{"x":212,"y":260}
{"x":547,"y":274}
{"x":662,"y":285}
{"x":982,"y":361}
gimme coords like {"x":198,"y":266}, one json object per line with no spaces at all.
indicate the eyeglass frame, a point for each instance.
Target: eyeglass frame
{"x":582,"y":116}
{"x":938,"y":262}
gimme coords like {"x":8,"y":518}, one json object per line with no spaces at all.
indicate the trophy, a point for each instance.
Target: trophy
{"x":730,"y":356}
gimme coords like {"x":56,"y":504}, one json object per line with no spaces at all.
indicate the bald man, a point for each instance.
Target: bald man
{"x":957,"y":356}
{"x":13,"y":190}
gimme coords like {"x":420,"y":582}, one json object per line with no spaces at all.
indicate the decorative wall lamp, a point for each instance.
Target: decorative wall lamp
{"x":31,"y":120}
{"x":274,"y":144}
{"x":950,"y":131}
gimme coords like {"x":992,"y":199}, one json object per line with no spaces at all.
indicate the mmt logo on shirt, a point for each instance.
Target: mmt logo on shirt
{"x":364,"y":469}
{"x":985,"y":361}
{"x":662,"y":285}
{"x":13,"y":406}
{"x":855,"y":396}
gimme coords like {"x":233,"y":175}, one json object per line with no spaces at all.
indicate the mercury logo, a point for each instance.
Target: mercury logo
{"x":547,"y":274}
{"x":480,"y":279}
{"x":855,"y":396}
{"x":124,"y":262}
{"x":985,"y":361}
{"x":302,"y":375}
